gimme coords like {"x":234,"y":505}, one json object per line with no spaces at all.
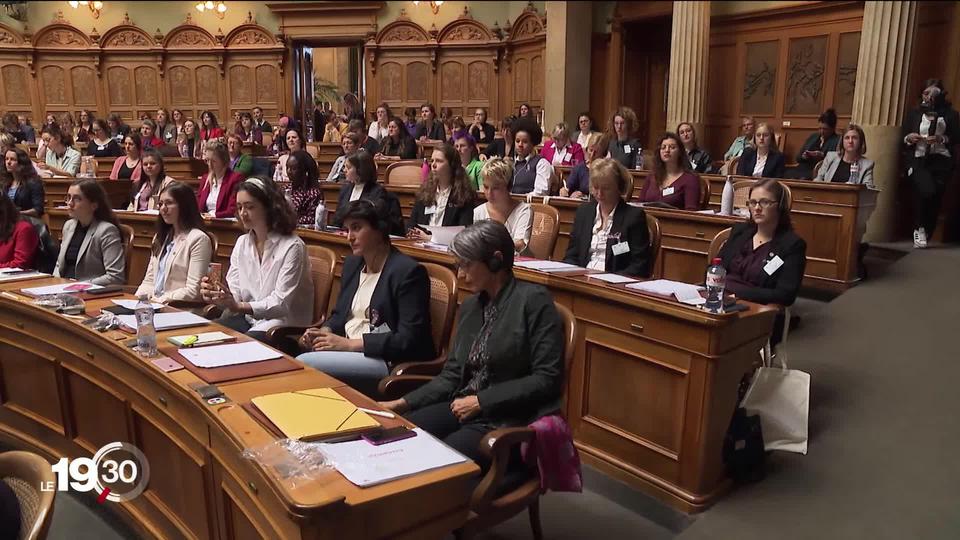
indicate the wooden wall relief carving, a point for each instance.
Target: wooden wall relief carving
{"x":267,"y":84}
{"x":15,"y":87}
{"x":147,"y":84}
{"x":390,"y":81}
{"x":760,"y":77}
{"x":848,"y":54}
{"x":54,"y":85}
{"x":805,"y":70}
{"x":118,"y":79}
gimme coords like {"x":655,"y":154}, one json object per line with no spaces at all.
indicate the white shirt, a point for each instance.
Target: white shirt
{"x":541,"y":185}
{"x":560,"y":155}
{"x":211,"y":203}
{"x":582,"y":139}
{"x":923,"y":148}
{"x":359,"y":322}
{"x":357,"y":191}
{"x":377,"y":132}
{"x":337,"y":168}
{"x":598,"y":242}
{"x":758,"y":168}
{"x":519,"y":222}
{"x":280,"y":173}
{"x":436,"y":218}
{"x":278,"y":287}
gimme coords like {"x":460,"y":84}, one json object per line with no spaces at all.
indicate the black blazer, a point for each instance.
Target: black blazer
{"x":435,"y":133}
{"x":773,"y":168}
{"x":630,"y":222}
{"x":401,"y":300}
{"x":452,"y":216}
{"x":489,"y":133}
{"x":498,"y":148}
{"x":29,"y":195}
{"x":781,"y":287}
{"x":374,"y":193}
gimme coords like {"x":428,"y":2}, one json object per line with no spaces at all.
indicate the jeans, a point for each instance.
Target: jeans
{"x":360,"y":372}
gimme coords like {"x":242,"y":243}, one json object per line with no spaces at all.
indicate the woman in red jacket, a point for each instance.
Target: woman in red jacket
{"x":210,"y":129}
{"x":561,"y":150}
{"x":18,"y":238}
{"x":218,"y":188}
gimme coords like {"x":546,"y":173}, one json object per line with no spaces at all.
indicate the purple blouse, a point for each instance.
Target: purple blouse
{"x":746,"y":267}
{"x":684,"y":193}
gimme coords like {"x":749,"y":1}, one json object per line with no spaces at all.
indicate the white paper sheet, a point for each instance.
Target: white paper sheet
{"x":442,"y":235}
{"x":613,"y":278}
{"x":546,"y":266}
{"x":132,"y":304}
{"x":366,"y":464}
{"x":229,"y":355}
{"x":14,"y":274}
{"x":167,"y":321}
{"x":667,"y":287}
{"x":60,"y":288}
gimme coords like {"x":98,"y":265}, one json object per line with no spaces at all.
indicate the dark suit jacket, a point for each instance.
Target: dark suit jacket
{"x":435,"y":133}
{"x":401,"y":300}
{"x":630,"y":222}
{"x":374,"y":193}
{"x":498,"y":148}
{"x":773,"y":168}
{"x":489,"y":133}
{"x":781,"y":287}
{"x":452,"y":216}
{"x":29,"y":195}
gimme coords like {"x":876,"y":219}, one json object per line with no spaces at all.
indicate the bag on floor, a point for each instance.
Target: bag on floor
{"x":781,"y":397}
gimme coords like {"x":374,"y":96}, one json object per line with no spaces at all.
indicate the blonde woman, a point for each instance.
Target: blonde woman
{"x":764,"y":160}
{"x":497,"y":177}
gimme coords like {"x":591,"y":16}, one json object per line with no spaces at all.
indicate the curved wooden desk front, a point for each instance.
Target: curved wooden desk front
{"x":67,"y":390}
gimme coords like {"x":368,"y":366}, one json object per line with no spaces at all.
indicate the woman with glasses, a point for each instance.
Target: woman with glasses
{"x":101,"y":143}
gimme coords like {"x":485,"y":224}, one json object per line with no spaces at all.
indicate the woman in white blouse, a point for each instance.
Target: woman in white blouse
{"x":268,"y":283}
{"x":378,"y":129}
{"x":294,"y":142}
{"x":181,"y":250}
{"x":497,"y":176}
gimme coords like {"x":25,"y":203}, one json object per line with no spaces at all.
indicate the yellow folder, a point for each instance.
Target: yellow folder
{"x":313,"y":414}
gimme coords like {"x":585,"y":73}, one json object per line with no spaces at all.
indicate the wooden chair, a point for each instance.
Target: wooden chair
{"x":704,"y":192}
{"x":443,"y":305}
{"x":214,"y":245}
{"x":25,"y":472}
{"x":323,"y":262}
{"x":778,"y":140}
{"x":816,"y":168}
{"x":313,"y":150}
{"x":404,"y":173}
{"x":127,"y":234}
{"x":502,"y":493}
{"x":546,"y":229}
{"x":656,"y":238}
{"x":717,"y":244}
{"x":741,"y":192}
{"x":267,"y":139}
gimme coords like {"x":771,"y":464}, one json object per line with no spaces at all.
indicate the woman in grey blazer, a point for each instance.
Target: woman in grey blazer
{"x":836,"y":166}
{"x":92,"y":247}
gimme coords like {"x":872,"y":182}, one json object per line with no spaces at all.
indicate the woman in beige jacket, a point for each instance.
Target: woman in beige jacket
{"x":181,"y":250}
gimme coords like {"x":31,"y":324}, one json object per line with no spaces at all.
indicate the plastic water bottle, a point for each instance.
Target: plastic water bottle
{"x":146,"y":332}
{"x":320,"y":217}
{"x":855,"y":173}
{"x":716,"y":282}
{"x":726,"y":199}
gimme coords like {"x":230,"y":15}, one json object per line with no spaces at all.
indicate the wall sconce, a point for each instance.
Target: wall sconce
{"x":218,"y":8}
{"x":95,"y":7}
{"x":434,"y":5}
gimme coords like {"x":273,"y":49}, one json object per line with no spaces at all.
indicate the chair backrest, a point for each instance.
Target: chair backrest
{"x":443,"y":303}
{"x":322,"y":263}
{"x":741,"y":192}
{"x":546,"y":229}
{"x":789,"y":195}
{"x":569,"y":339}
{"x":313,"y":150}
{"x":404,"y":173}
{"x":704,"y":192}
{"x":717,"y":244}
{"x":267,"y":138}
{"x":816,"y":168}
{"x":25,"y":472}
{"x":656,"y":238}
{"x":214,"y":245}
{"x":778,"y":138}
{"x":128,"y":234}
{"x":730,"y":167}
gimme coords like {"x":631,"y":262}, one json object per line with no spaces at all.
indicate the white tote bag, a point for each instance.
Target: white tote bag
{"x":781,"y":397}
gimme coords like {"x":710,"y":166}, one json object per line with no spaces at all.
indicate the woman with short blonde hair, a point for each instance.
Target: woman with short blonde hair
{"x":497,"y":178}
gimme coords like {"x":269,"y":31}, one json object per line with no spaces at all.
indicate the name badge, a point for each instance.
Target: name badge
{"x":430,"y":210}
{"x":621,"y":248}
{"x":773,"y":265}
{"x":627,"y":149}
{"x":668,"y":191}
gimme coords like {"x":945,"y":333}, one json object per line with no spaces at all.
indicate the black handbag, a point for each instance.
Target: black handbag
{"x":743,"y":451}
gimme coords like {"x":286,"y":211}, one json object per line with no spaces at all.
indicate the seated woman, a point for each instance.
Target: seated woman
{"x":837,"y":165}
{"x":218,"y":188}
{"x":505,"y":367}
{"x":429,"y":128}
{"x":531,"y":171}
{"x":295,"y":142}
{"x":585,"y":126}
{"x":166,"y":130}
{"x":143,"y":195}
{"x":577,"y":185}
{"x":764,"y":258}
{"x":517,"y":217}
{"x":247,"y":131}
{"x":700,"y":160}
{"x":624,"y":147}
{"x":816,"y":146}
{"x":502,"y":147}
{"x":466,"y":147}
{"x":268,"y":283}
{"x":19,"y":182}
{"x":118,"y":130}
{"x":62,"y":159}
{"x":446,"y":198}
{"x":350,"y":144}
{"x":360,"y":182}
{"x":398,"y":144}
{"x":304,"y":186}
{"x":84,"y":129}
{"x":180,"y":253}
{"x":101,"y":144}
{"x":18,"y":239}
{"x":210,"y":129}
{"x":763,"y":159}
{"x":382,"y":314}
{"x":92,"y":248}
{"x":127,"y":167}
{"x":379,"y":127}
{"x":561,"y":150}
{"x":188,"y":141}
{"x":672,"y":182}
{"x":335,"y":129}
{"x":239,"y":162}
{"x":148,"y":135}
{"x":458,"y":128}
{"x":608,"y":234}
{"x":480,"y":130}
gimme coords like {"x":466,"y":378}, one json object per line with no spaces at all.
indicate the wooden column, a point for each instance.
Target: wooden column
{"x":568,"y":38}
{"x":689,"y":48}
{"x":886,"y":41}
{"x":614,"y":94}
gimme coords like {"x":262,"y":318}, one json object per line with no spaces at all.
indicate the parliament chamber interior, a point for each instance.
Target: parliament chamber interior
{"x":493,"y":270}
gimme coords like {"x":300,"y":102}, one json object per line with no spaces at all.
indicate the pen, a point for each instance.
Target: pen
{"x":377,"y":413}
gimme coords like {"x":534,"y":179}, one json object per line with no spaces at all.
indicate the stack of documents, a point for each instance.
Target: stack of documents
{"x":548,"y":266}
{"x":166,"y":321}
{"x":313,"y":414}
{"x":13,"y":274}
{"x":199,"y":340}
{"x":684,"y":292}
{"x":613,"y":278}
{"x":229,"y":355}
{"x":365,"y":464}
{"x":61,"y":288}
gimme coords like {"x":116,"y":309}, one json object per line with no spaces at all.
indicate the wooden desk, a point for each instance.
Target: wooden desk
{"x":653,"y":384}
{"x":68,"y":390}
{"x":55,"y":191}
{"x":176,"y":167}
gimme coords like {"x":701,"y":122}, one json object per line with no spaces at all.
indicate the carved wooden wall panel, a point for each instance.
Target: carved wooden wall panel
{"x":806,"y":66}
{"x":391,"y":84}
{"x":849,"y":51}
{"x":760,"y":77}
{"x":478,"y":81}
{"x":418,"y":84}
{"x":268,"y":85}
{"x":16,"y":87}
{"x":84,"y":83}
{"x":120,"y":89}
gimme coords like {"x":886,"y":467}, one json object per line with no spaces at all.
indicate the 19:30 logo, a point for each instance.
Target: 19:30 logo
{"x":117,"y":472}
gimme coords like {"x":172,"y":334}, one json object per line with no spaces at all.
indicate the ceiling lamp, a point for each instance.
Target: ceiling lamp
{"x":218,"y":8}
{"x":434,"y":6}
{"x":94,"y":7}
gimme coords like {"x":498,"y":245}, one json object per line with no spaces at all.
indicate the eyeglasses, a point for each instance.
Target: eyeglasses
{"x":764,"y":203}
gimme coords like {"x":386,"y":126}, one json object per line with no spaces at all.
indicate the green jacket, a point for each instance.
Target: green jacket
{"x":473,"y":174}
{"x":526,"y":358}
{"x":244,"y":164}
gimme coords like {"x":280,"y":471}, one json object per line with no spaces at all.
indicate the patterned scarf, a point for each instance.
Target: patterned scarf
{"x":477,"y":362}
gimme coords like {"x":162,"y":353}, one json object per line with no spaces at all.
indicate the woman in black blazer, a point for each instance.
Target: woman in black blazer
{"x":764,"y":149}
{"x":361,"y":183}
{"x":502,"y":147}
{"x":626,"y":249}
{"x":446,"y":198}
{"x":382,"y":315}
{"x":19,"y":180}
{"x":763,"y":257}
